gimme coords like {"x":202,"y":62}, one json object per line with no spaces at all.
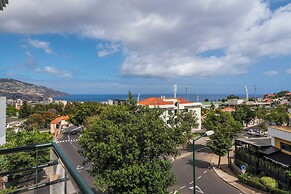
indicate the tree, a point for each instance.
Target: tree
{"x":34,"y":120}
{"x":48,"y":117}
{"x":277,"y":116}
{"x":25,"y":110}
{"x":25,"y":159}
{"x":244,"y":114}
{"x":11,"y":111}
{"x":232,"y":96}
{"x":128,"y":147}
{"x":182,"y":123}
{"x":79,"y":112}
{"x":225,"y":129}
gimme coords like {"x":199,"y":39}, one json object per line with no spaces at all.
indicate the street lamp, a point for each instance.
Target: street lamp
{"x":207,"y":133}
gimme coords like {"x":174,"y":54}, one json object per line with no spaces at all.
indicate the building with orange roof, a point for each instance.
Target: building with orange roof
{"x":172,"y":106}
{"x":228,"y":109}
{"x":58,"y":123}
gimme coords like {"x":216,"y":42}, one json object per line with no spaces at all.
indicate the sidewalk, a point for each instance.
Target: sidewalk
{"x":226,"y":174}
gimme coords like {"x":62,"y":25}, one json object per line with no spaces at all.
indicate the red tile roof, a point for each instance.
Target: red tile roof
{"x":183,"y":101}
{"x":229,"y":109}
{"x":158,"y":101}
{"x":267,"y":100}
{"x":58,"y":119}
{"x":154,"y":102}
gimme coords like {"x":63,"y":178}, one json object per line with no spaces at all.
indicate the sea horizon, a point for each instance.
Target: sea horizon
{"x":106,"y":97}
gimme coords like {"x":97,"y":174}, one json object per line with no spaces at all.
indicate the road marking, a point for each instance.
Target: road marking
{"x":191,"y":183}
{"x":182,"y":187}
{"x":205,"y":171}
{"x":79,"y":167}
{"x":199,"y":177}
{"x":67,"y":140}
{"x":197,"y":189}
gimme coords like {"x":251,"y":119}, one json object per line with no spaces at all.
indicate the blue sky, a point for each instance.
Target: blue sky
{"x":112,"y":47}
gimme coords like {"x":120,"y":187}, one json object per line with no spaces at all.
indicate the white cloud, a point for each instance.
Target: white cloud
{"x":271,"y":73}
{"x":58,"y":72}
{"x":166,"y":40}
{"x":108,"y":49}
{"x":41,"y":45}
{"x":171,"y":66}
{"x":288,"y":71}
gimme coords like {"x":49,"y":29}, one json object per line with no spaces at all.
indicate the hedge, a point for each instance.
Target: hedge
{"x":279,"y":191}
{"x":252,"y":181}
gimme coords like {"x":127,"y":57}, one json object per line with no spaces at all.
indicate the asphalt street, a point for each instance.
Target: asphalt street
{"x":69,"y":144}
{"x":207,"y":181}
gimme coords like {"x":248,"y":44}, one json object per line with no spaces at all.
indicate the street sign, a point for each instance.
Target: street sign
{"x":243,"y":168}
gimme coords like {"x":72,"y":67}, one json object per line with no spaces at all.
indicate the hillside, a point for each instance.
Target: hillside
{"x":14,"y":89}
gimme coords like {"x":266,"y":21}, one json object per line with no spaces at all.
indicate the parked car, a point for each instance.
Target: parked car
{"x":252,"y":132}
{"x":257,"y":132}
{"x":263,"y":133}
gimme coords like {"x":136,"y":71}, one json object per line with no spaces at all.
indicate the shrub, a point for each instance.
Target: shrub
{"x":238,"y":162}
{"x":269,"y":182}
{"x":275,"y":190}
{"x":252,"y":181}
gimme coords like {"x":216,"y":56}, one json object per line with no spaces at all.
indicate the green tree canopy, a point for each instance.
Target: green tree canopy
{"x":225,"y":129}
{"x":25,"y":159}
{"x":34,"y":120}
{"x":11,"y":111}
{"x":244,"y":114}
{"x":25,"y":110}
{"x":128,"y":147}
{"x":277,"y":115}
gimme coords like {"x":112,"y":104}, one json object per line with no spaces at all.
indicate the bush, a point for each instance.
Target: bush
{"x":275,"y":190}
{"x":252,"y":181}
{"x":269,"y":182}
{"x":238,"y":162}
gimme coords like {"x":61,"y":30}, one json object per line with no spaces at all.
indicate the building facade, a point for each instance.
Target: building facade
{"x":2,"y":120}
{"x":281,"y":138}
{"x":172,"y":106}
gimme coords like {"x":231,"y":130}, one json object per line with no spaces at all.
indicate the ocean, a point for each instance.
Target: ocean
{"x":106,"y":97}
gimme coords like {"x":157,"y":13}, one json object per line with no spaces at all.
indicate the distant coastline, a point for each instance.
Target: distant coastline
{"x":105,"y":97}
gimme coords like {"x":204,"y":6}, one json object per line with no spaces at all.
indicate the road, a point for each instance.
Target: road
{"x":207,"y":181}
{"x":69,"y":144}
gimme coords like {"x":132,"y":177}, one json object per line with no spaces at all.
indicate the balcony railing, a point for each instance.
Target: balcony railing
{"x":50,"y":171}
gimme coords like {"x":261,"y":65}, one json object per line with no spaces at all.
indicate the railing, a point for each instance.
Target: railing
{"x":49,"y":172}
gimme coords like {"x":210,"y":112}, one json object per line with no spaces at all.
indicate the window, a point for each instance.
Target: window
{"x":285,"y":147}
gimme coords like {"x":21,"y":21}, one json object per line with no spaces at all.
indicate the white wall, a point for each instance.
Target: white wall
{"x":282,"y":134}
{"x":2,"y":120}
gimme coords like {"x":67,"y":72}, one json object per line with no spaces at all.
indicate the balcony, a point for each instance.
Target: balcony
{"x":48,"y":171}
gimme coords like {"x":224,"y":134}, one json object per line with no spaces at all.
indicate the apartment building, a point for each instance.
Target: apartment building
{"x":2,"y":120}
{"x":281,"y":138}
{"x":172,"y":106}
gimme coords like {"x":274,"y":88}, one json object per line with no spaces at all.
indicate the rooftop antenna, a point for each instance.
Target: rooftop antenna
{"x":138,"y":97}
{"x":247,"y":94}
{"x":186,"y":91}
{"x":175,"y":90}
{"x":197,"y":98}
{"x":255,"y":93}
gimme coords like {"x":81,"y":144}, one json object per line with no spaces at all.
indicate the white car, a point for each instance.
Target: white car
{"x":251,"y":132}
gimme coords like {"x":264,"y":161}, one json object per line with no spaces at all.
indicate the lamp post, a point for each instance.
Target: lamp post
{"x":208,"y":133}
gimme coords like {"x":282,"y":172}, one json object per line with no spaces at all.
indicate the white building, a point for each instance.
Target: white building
{"x":233,"y":102}
{"x":173,"y":105}
{"x":2,"y":120}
